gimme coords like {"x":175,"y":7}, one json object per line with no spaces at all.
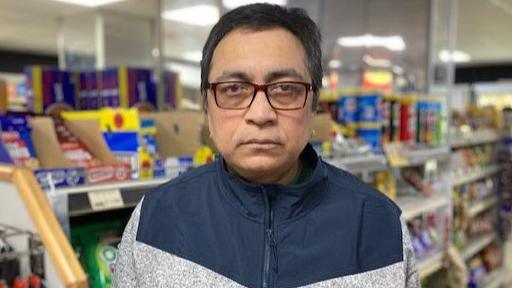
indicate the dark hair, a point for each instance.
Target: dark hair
{"x":262,"y":16}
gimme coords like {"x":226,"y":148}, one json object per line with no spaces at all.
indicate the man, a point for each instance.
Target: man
{"x":269,"y":212}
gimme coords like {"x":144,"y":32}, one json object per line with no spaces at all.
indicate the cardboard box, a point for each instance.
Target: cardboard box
{"x":129,"y":87}
{"x":322,"y":127}
{"x":53,"y":161}
{"x":173,"y":91}
{"x":50,"y":90}
{"x":178,"y":133}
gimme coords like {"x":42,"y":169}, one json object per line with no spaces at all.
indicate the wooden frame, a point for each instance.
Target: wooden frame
{"x":48,"y":228}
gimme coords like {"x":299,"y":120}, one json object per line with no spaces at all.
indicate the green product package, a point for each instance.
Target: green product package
{"x":96,"y":245}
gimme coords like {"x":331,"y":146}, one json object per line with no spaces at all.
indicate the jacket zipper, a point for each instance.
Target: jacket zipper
{"x":270,"y":244}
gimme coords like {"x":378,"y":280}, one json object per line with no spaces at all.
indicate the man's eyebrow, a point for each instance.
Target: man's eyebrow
{"x":233,"y":75}
{"x":288,"y":73}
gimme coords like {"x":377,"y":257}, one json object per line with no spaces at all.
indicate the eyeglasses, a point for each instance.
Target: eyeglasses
{"x":238,"y":95}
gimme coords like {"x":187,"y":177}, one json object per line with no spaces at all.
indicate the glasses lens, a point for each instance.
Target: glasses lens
{"x":287,"y":95}
{"x":234,"y":95}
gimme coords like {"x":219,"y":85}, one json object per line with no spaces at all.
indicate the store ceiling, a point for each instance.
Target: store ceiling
{"x":485,"y":26}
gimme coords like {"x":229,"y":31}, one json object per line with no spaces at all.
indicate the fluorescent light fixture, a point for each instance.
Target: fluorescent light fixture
{"x":397,"y":70}
{"x":393,"y":43}
{"x":232,"y":4}
{"x":200,"y":15}
{"x":89,"y":3}
{"x":335,"y":64}
{"x":194,"y":56}
{"x":374,"y":62}
{"x":454,"y":56}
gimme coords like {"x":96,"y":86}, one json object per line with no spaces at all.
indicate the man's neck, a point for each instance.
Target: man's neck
{"x":283,"y":176}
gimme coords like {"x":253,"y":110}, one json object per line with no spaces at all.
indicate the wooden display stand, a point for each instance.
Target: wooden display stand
{"x":24,"y":205}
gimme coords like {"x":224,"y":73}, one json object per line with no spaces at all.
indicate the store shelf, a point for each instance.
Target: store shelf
{"x":473,"y":174}
{"x":125,"y":186}
{"x":415,"y":205}
{"x":476,"y":245}
{"x":430,"y":265}
{"x":482,"y":205}
{"x":131,"y":193}
{"x":365,"y":163}
{"x":476,"y":138}
{"x":420,"y":156}
{"x":495,"y":279}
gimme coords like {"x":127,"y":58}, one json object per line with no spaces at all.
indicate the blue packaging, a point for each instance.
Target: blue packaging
{"x":4,"y":155}
{"x":60,"y":178}
{"x":368,"y":108}
{"x":347,"y":110}
{"x":372,"y":136}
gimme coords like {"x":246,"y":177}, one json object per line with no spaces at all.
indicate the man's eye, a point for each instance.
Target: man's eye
{"x":233,"y":89}
{"x":285,"y":88}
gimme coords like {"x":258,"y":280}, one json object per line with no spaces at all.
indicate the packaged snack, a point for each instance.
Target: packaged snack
{"x":15,"y":136}
{"x":368,"y":108}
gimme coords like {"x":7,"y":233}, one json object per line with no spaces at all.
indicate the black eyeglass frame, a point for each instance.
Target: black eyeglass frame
{"x":261,"y":87}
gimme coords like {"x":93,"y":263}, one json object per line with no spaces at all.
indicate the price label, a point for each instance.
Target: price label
{"x":105,"y":199}
{"x":397,"y":154}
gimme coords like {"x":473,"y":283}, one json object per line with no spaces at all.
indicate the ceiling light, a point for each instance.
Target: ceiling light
{"x":335,"y":64}
{"x":194,"y":56}
{"x":89,"y":3}
{"x":454,"y":56}
{"x":201,"y":15}
{"x":232,"y":4}
{"x":374,"y":62}
{"x":393,"y":43}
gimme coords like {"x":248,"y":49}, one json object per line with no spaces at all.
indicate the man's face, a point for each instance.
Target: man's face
{"x":260,"y":143}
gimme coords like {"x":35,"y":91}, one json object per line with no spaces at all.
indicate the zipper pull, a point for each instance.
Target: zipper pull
{"x":273,"y":248}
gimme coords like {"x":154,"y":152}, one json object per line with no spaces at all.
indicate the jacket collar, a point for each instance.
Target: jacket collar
{"x":286,"y":202}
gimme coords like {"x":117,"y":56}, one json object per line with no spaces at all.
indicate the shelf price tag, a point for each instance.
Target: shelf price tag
{"x":397,"y":154}
{"x":105,"y":199}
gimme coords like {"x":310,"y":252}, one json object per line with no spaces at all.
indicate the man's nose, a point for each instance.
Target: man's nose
{"x":261,"y":112}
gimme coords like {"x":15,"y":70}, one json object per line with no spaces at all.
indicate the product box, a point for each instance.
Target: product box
{"x":56,"y":171}
{"x":172,"y":90}
{"x":109,"y":91}
{"x":4,"y":155}
{"x":50,"y":90}
{"x":136,"y":87}
{"x":368,"y":108}
{"x":15,"y":137}
{"x":60,"y":177}
{"x":53,"y":161}
{"x":88,"y":90}
{"x":178,"y":133}
{"x":90,"y":135}
{"x":178,"y":137}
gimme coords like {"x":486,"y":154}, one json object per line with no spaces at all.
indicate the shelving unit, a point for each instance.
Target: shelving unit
{"x":482,"y":205}
{"x":430,"y":265}
{"x":472,"y":174}
{"x":358,"y":164}
{"x":476,"y":138}
{"x":415,"y":205}
{"x":495,"y":279}
{"x":476,"y":245}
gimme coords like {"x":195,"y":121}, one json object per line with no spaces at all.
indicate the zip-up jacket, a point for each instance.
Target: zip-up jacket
{"x":211,"y":228}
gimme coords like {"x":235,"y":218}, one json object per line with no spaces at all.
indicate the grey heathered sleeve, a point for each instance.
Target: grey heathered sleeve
{"x":410,"y":269}
{"x":124,"y":270}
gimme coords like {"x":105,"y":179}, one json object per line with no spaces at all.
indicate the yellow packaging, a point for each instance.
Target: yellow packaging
{"x":202,"y":156}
